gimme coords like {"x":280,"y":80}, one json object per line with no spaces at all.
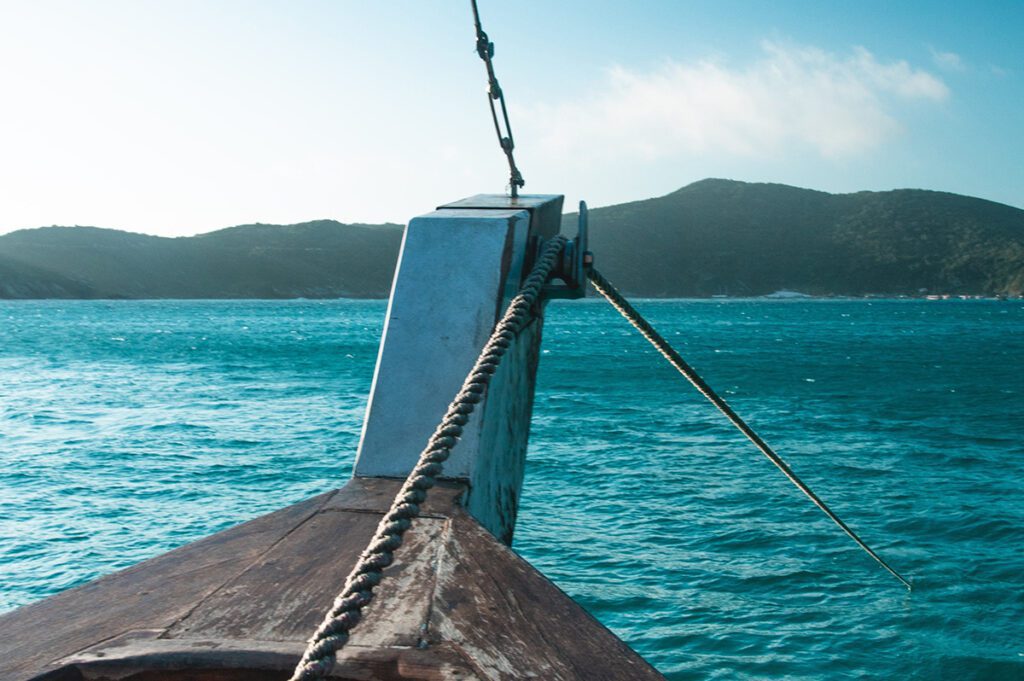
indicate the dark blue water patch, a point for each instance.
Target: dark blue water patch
{"x":129,"y":428}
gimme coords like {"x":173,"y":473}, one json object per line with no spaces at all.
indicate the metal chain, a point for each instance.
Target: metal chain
{"x":605,"y":288}
{"x":346,"y":612}
{"x":485,"y":48}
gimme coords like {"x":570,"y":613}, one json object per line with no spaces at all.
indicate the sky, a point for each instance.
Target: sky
{"x":177,"y":118}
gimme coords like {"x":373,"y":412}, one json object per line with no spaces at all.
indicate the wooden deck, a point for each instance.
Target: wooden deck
{"x":457,"y":604}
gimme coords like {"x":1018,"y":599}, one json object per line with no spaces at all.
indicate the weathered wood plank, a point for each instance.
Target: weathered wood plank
{"x":514,"y":623}
{"x":456,"y":605}
{"x":250,"y":660}
{"x":283,"y":596}
{"x":493,"y":497}
{"x":433,"y":338}
{"x":152,"y":594}
{"x":376,"y":495}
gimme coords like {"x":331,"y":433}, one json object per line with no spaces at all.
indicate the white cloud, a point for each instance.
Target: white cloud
{"x":803,"y":96}
{"x":951,"y":61}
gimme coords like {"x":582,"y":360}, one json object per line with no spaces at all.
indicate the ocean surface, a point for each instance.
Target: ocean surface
{"x":130,"y":428}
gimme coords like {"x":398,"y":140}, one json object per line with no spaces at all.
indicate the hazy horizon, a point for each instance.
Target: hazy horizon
{"x":182,"y":119}
{"x":567,"y":209}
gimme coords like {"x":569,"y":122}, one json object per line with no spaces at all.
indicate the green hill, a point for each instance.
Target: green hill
{"x":321,"y":259}
{"x":713,"y":237}
{"x":718,"y":237}
{"x":18,"y":280}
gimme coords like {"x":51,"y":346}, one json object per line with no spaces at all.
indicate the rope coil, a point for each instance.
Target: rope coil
{"x":346,"y":612}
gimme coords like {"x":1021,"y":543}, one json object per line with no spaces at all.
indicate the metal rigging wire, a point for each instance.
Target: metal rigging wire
{"x":606,"y":289}
{"x":485,"y":48}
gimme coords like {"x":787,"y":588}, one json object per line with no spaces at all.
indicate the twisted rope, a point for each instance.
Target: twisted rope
{"x":605,"y":288}
{"x":346,"y":612}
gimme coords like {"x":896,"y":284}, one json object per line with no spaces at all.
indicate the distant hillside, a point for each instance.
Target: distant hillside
{"x":18,"y":280}
{"x":714,"y":237}
{"x":718,"y":237}
{"x":321,"y":259}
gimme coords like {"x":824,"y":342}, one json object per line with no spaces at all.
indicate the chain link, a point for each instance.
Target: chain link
{"x":485,"y":48}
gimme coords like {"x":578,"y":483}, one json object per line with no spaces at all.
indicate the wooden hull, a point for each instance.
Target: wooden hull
{"x":457,"y":604}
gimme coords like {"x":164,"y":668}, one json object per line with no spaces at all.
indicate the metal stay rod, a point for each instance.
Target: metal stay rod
{"x":605,"y":288}
{"x":485,"y":48}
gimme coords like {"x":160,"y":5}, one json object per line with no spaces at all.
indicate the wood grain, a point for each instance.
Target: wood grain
{"x":456,"y":605}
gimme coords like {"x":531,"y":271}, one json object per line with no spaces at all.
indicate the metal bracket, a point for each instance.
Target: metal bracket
{"x":545,"y":219}
{"x":572,"y":269}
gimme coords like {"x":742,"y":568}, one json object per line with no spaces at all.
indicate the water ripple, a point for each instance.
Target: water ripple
{"x":129,"y":428}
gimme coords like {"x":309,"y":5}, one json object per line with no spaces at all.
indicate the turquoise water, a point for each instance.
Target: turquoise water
{"x":129,"y":428}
